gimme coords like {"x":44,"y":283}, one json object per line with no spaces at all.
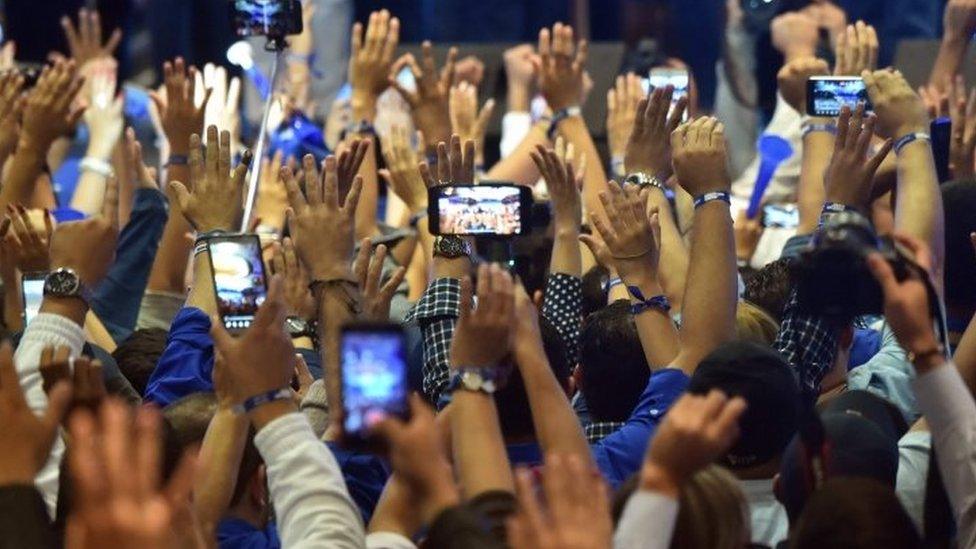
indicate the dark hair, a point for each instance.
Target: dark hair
{"x":854,"y":513}
{"x":612,"y":359}
{"x":138,"y":355}
{"x":959,"y":204}
{"x":769,"y":288}
{"x":514,"y":412}
{"x":594,"y":296}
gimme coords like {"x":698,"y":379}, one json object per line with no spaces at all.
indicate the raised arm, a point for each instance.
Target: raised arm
{"x":708,"y":316}
{"x":104,"y":119}
{"x":958,"y":24}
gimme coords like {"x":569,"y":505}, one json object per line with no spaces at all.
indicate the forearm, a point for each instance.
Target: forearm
{"x":479,"y":450}
{"x":818,"y":147}
{"x":574,"y":130}
{"x":965,"y":357}
{"x":672,"y":269}
{"x":202,"y":294}
{"x":708,"y":316}
{"x":13,"y":304}
{"x":656,"y":330}
{"x":218,"y":463}
{"x":90,"y":191}
{"x":566,"y":257}
{"x":518,"y":167}
{"x":556,"y":425}
{"x":918,"y":211}
{"x":169,"y":269}
{"x":948,"y":61}
{"x":25,"y":166}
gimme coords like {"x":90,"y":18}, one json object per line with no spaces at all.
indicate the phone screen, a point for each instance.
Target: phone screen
{"x":678,"y":78}
{"x":239,"y":278}
{"x":266,"y":17}
{"x":480,"y":210}
{"x":374,"y":376}
{"x":406,"y":79}
{"x":32,"y":286}
{"x":781,"y":215}
{"x":827,"y":95}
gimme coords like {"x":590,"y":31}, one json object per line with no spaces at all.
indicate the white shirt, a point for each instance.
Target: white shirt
{"x":786,"y":123}
{"x":310,"y":497}
{"x":647,"y":521}
{"x":913,"y":471}
{"x":45,"y":329}
{"x":770,"y":525}
{"x":947,"y":405}
{"x":515,"y":126}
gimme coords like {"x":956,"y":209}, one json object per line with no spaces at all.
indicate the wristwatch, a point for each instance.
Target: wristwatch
{"x":451,"y":246}
{"x":299,"y":327}
{"x":484,"y":380}
{"x":64,"y":282}
{"x":642,"y":180}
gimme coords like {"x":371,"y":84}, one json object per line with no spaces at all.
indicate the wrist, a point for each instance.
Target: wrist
{"x":179,"y":146}
{"x":910,"y":128}
{"x":99,"y":149}
{"x":637,"y":272}
{"x":656,"y":478}
{"x":363,"y":107}
{"x":332,"y":272}
{"x":519,"y":98}
{"x":440,"y":495}
{"x":799,"y":52}
{"x":955,"y":40}
{"x":72,"y":308}
{"x":17,"y":474}
{"x":568,"y":231}
{"x":266,"y":413}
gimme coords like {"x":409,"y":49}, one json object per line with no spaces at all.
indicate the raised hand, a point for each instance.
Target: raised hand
{"x":794,"y":34}
{"x":368,"y":268}
{"x":180,"y":114}
{"x":466,"y":120}
{"x":563,"y":188}
{"x":104,"y":113}
{"x":857,"y":50}
{"x":26,"y":438}
{"x":430,"y":102}
{"x":295,"y":281}
{"x":371,"y":57}
{"x":560,"y":67}
{"x":850,"y":175}
{"x":482,"y":332}
{"x":900,"y":110}
{"x":12,"y":105}
{"x":520,"y":75}
{"x":26,"y":244}
{"x":321,"y":225}
{"x":116,"y":466}
{"x":579,"y":508}
{"x":88,"y":246}
{"x":632,"y":237}
{"x":402,"y":173}
{"x":622,"y":104}
{"x":272,"y":197}
{"x":962,"y":112}
{"x":454,"y":165}
{"x":221,"y":109}
{"x":936,"y":101}
{"x":698,"y":430}
{"x":82,"y":373}
{"x":85,"y":41}
{"x":959,"y":19}
{"x":792,"y":80}
{"x":48,"y":113}
{"x":649,"y":146}
{"x":140,"y":174}
{"x":262,"y":359}
{"x":215,"y":203}
{"x":349,"y":157}
{"x":699,"y":156}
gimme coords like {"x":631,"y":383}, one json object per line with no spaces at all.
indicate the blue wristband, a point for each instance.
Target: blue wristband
{"x":904,"y":140}
{"x":178,"y":160}
{"x":658,"y":302}
{"x":712,"y":196}
{"x":611,"y":283}
{"x":262,"y":399}
{"x":559,"y":116}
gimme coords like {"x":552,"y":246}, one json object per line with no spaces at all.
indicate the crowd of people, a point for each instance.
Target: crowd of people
{"x":662,"y":371}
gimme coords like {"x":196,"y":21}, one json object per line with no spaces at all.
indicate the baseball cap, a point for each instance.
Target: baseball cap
{"x":885,"y":415}
{"x":766,"y":381}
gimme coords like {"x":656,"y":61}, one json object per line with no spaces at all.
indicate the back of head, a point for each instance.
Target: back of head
{"x":754,"y":324}
{"x":185,"y":423}
{"x":765,"y":380}
{"x":713,"y":513}
{"x":594,"y":294}
{"x":514,"y":413}
{"x":769,"y":288}
{"x":854,"y":513}
{"x":614,"y":370}
{"x":138,"y":355}
{"x":959,"y":204}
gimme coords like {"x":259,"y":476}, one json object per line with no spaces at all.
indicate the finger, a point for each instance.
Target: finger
{"x":361,"y":263}
{"x":375,"y":270}
{"x":352,"y":199}
{"x":466,"y":299}
{"x":148,"y":453}
{"x":455,"y":158}
{"x":295,"y":197}
{"x":390,"y":287}
{"x":117,"y":444}
{"x":883,"y":273}
{"x":110,"y":206}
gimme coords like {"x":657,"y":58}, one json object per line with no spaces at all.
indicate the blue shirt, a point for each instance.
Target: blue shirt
{"x":186,"y":365}
{"x":233,"y":533}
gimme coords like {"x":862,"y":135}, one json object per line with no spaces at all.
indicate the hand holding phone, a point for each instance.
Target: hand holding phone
{"x":826,"y":95}
{"x":677,"y":78}
{"x":32,"y":286}
{"x":373,"y":374}
{"x":239,"y":279}
{"x":271,"y":18}
{"x":488,"y":209}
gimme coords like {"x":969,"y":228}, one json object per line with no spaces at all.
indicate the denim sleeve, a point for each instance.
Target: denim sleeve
{"x":117,"y":298}
{"x":620,"y":455}
{"x":186,"y":365}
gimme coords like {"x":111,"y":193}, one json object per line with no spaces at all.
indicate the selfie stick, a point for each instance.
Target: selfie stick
{"x":277,"y":45}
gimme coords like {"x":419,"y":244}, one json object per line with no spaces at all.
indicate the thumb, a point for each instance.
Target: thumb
{"x":591,"y":243}
{"x":883,"y":273}
{"x":181,"y":192}
{"x":221,"y":338}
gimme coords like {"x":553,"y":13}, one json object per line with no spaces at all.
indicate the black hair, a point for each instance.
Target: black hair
{"x":594,"y":294}
{"x":959,"y":204}
{"x":769,"y":288}
{"x":614,"y":369}
{"x":138,"y":355}
{"x":514,"y":412}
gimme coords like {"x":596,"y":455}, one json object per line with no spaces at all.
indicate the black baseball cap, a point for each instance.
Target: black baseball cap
{"x":766,"y":381}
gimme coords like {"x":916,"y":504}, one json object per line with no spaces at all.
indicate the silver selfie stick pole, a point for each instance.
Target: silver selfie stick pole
{"x":277,"y":45}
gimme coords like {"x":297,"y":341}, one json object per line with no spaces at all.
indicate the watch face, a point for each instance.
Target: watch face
{"x":296,"y":325}
{"x":62,"y":283}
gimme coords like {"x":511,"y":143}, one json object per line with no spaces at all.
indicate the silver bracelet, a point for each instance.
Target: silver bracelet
{"x":96,"y":165}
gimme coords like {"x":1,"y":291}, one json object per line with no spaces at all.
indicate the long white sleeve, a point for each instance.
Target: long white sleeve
{"x":310,"y":497}
{"x":515,"y":126}
{"x":647,"y":522}
{"x":45,"y":329}
{"x":950,"y":411}
{"x":388,"y":540}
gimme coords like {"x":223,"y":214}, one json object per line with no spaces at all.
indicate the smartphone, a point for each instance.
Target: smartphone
{"x":663,"y":76}
{"x":941,"y":131}
{"x":32,"y":287}
{"x":406,"y":79}
{"x":826,"y":95}
{"x":373,"y":371}
{"x":271,"y":18}
{"x":781,"y":215}
{"x":239,"y":279}
{"x":486,"y":209}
